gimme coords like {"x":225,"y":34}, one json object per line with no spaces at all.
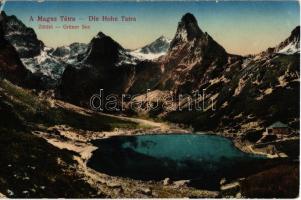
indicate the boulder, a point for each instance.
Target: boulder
{"x":167,"y":181}
{"x":230,"y":189}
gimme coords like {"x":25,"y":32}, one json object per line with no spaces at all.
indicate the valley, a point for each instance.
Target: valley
{"x":74,"y":137}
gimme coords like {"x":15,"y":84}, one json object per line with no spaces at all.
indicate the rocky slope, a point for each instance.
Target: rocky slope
{"x":25,"y":44}
{"x":248,"y":93}
{"x":242,"y":93}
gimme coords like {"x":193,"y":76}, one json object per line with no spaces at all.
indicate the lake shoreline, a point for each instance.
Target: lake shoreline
{"x":80,"y":143}
{"x":116,"y":187}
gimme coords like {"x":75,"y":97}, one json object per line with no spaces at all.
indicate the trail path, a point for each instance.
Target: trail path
{"x":143,"y":122}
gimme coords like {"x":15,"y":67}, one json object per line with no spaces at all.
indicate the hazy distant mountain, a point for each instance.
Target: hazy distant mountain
{"x":153,"y":50}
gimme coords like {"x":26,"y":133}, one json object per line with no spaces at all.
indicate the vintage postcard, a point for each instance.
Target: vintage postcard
{"x":149,"y":99}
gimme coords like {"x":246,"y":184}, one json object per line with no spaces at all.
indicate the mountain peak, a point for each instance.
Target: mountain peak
{"x":100,"y":35}
{"x":101,"y":40}
{"x":187,"y":30}
{"x":103,"y":46}
{"x":162,"y":37}
{"x":188,"y":18}
{"x":192,"y":45}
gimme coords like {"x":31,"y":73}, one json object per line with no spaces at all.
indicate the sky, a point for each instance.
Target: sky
{"x":241,"y":27}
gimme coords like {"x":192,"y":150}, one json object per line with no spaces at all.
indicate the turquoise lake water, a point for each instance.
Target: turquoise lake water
{"x":185,"y":147}
{"x":179,"y":156}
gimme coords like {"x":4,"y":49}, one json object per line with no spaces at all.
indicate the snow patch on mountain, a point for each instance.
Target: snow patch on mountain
{"x":45,"y":64}
{"x":182,"y":35}
{"x":146,"y":56}
{"x":291,"y":48}
{"x":52,"y":62}
{"x":70,"y":54}
{"x":126,"y":58}
{"x":291,"y":45}
{"x":153,"y":50}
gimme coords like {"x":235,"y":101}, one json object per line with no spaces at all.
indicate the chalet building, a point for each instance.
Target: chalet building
{"x":278,"y":128}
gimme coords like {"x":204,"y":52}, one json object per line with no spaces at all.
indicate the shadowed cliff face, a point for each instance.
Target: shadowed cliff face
{"x":103,"y":50}
{"x":23,"y":38}
{"x":10,"y":65}
{"x":105,"y":65}
{"x":193,"y":58}
{"x":12,"y":68}
{"x":19,"y":42}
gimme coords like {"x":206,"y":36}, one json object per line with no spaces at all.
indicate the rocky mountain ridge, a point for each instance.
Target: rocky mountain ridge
{"x":50,"y":63}
{"x":193,"y":62}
